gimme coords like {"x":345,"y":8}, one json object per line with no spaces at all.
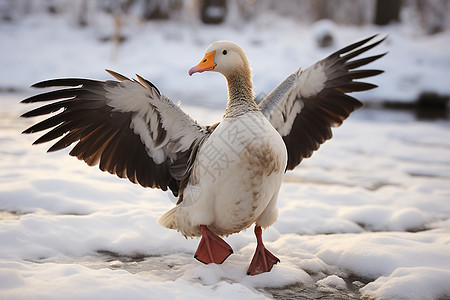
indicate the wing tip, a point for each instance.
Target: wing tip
{"x":41,"y":84}
{"x":147,"y":83}
{"x":358,"y":46}
{"x":25,"y":115}
{"x":116,"y":75}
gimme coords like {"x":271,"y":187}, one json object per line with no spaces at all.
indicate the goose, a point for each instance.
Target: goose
{"x":226,"y":176}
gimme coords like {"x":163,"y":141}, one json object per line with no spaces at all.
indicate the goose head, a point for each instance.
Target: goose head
{"x":224,"y":57}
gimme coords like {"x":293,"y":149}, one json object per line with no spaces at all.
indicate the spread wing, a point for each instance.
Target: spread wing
{"x":127,"y":127}
{"x":305,"y":106}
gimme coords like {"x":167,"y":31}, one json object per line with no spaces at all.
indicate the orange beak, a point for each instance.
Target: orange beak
{"x":207,"y":64}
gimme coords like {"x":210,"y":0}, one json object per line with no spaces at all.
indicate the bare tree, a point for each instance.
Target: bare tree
{"x":387,"y":11}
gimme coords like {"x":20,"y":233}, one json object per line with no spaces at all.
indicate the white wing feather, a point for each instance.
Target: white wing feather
{"x":154,"y":112}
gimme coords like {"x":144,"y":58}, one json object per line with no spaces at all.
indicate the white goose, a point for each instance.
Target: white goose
{"x":227,"y":176}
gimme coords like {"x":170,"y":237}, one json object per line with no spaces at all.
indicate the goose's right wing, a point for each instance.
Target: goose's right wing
{"x":127,"y":127}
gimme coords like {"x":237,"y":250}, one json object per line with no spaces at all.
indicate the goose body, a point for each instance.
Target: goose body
{"x":235,"y":179}
{"x":226,"y":176}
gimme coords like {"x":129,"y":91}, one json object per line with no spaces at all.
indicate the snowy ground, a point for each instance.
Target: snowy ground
{"x":368,"y":215}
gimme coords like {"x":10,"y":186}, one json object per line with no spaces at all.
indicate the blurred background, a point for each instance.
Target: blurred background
{"x":162,"y":39}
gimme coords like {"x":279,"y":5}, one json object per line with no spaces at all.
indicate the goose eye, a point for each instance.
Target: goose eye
{"x":224,"y":52}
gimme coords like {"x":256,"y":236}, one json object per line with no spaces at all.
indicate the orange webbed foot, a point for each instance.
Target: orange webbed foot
{"x":212,"y":249}
{"x":263,"y":260}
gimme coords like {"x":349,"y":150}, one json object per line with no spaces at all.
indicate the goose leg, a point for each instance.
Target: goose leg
{"x":212,"y":249}
{"x":263,"y":260}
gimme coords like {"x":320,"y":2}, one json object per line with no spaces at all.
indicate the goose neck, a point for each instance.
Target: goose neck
{"x":240,"y":95}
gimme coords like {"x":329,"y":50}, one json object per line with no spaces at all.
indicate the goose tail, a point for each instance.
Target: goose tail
{"x":168,"y":219}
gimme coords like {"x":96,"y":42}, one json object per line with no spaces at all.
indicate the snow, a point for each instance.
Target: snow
{"x":364,"y":216}
{"x":367,"y":214}
{"x":420,"y":283}
{"x":331,"y":283}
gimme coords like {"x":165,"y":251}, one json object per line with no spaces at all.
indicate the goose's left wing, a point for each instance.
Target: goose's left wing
{"x":305,"y":106}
